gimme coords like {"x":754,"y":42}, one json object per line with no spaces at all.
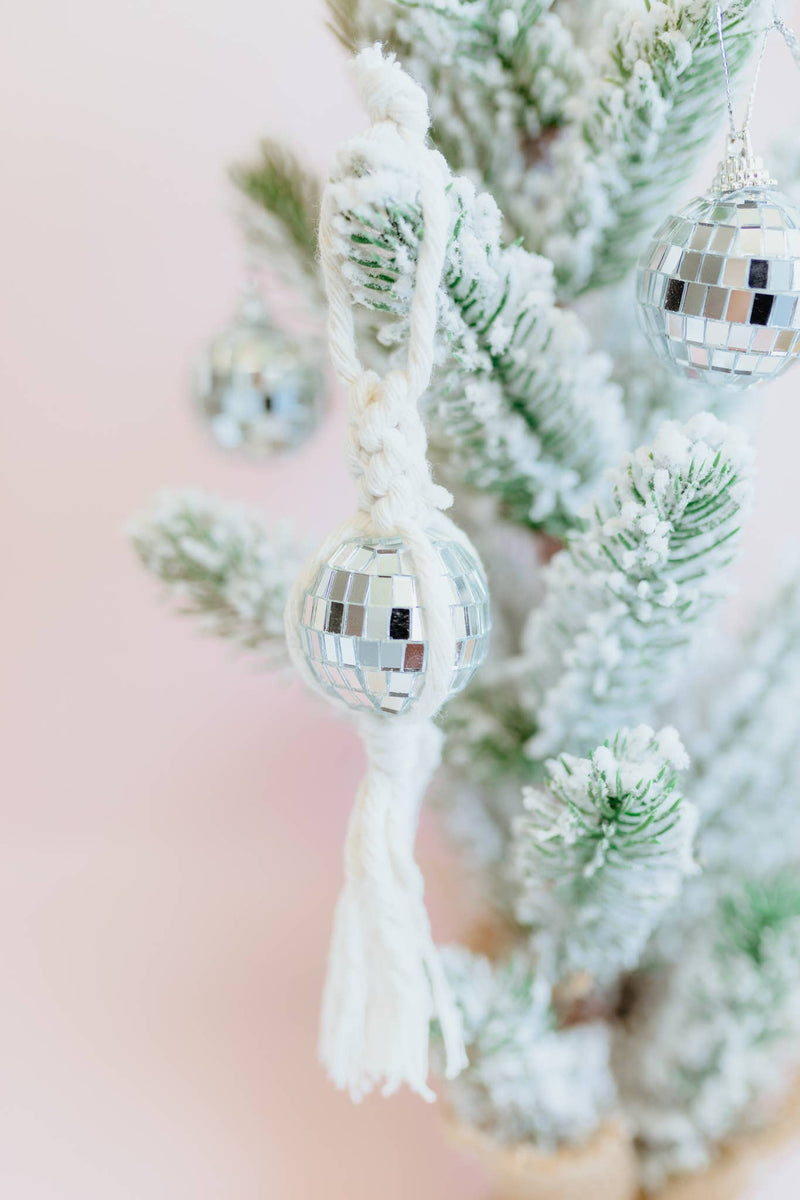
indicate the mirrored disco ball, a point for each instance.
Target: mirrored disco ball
{"x":364,"y":628}
{"x":718,"y":287}
{"x":256,"y":388}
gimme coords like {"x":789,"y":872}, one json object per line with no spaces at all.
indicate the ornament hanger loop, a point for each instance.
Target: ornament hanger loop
{"x":740,"y":168}
{"x":739,"y":139}
{"x":790,"y":37}
{"x":387,"y":435}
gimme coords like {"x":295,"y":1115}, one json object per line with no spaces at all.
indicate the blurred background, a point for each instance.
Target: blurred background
{"x":172,"y":818}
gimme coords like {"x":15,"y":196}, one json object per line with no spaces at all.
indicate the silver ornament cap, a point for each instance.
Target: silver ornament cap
{"x":363,"y":623}
{"x":719,"y":285}
{"x":741,"y":168}
{"x":258,"y":389}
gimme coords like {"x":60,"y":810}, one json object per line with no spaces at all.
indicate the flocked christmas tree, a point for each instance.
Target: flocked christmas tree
{"x":625,"y":785}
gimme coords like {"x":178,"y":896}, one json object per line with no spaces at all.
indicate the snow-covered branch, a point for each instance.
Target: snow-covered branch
{"x":521,"y":406}
{"x":582,"y":120}
{"x":280,"y":219}
{"x":624,"y":600}
{"x":744,"y":723}
{"x":526,"y":1079}
{"x":606,"y":647}
{"x":602,"y":851}
{"x":714,"y":1039}
{"x":222,"y":566}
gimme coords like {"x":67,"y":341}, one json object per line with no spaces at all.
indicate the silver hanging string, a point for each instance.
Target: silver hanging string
{"x":740,"y":169}
{"x":790,"y":37}
{"x":751,"y":98}
{"x":736,"y":134}
{"x":726,"y":71}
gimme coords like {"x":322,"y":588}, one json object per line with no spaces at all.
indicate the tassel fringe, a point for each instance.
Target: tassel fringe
{"x":385,"y":979}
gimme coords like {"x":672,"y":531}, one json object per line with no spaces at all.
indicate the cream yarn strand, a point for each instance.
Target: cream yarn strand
{"x":385,"y":981}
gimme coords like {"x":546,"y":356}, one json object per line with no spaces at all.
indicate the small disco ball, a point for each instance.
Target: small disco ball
{"x":256,"y":388}
{"x":364,"y":628}
{"x":718,"y":287}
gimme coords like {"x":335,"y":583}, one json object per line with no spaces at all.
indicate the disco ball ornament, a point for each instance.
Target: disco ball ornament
{"x":719,"y":285}
{"x":257,"y":388}
{"x":364,"y":628}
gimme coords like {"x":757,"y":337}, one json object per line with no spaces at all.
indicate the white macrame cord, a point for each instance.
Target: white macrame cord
{"x":385,"y":981}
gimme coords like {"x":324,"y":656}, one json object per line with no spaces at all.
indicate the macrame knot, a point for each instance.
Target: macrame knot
{"x":387,"y":453}
{"x":389,"y":94}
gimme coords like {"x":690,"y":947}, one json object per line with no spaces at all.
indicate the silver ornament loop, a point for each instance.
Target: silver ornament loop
{"x":742,"y":134}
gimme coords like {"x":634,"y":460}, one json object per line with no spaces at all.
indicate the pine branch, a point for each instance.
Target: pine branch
{"x":715,"y":1039}
{"x":521,"y":408}
{"x":346,"y":24}
{"x":526,"y":1080}
{"x":582,"y":148}
{"x":489,"y":729}
{"x":747,"y":722}
{"x":623,"y":606}
{"x":651,"y":392}
{"x":281,"y":220}
{"x":682,"y":53}
{"x":752,"y":920}
{"x":601,"y":854}
{"x":220,"y":565}
{"x":624,"y":600}
{"x":499,"y":75}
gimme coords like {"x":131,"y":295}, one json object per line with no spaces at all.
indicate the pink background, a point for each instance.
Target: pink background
{"x":173,"y":818}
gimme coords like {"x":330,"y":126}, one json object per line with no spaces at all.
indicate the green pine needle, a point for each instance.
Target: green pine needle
{"x":279,"y":185}
{"x":602,"y":851}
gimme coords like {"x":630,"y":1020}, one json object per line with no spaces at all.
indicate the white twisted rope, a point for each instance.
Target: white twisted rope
{"x":385,"y":981}
{"x":386,"y":447}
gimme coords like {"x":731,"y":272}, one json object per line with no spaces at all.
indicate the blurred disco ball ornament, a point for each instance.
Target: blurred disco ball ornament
{"x":363,"y":624}
{"x":719,"y":285}
{"x":257,"y":389}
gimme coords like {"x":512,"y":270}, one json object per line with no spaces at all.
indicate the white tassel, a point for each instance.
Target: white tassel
{"x":385,"y":981}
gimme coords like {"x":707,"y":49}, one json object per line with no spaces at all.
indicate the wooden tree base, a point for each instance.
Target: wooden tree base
{"x":602,"y":1168}
{"x":735,"y":1166}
